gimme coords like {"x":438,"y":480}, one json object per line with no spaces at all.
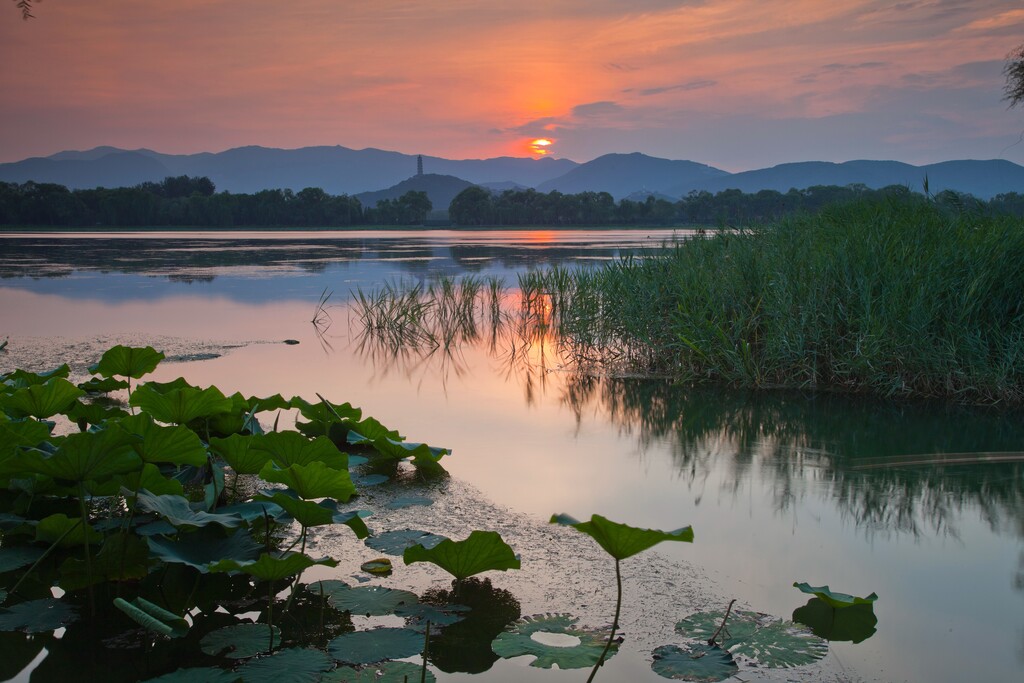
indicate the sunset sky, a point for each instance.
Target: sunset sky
{"x":737,"y":84}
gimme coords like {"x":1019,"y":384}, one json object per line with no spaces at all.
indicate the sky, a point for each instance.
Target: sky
{"x":737,"y":84}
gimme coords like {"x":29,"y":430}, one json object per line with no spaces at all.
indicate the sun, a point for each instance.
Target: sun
{"x":540,"y":146}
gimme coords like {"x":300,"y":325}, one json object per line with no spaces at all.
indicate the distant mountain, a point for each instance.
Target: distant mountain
{"x":983,"y":179}
{"x":622,"y":174}
{"x":440,"y":188}
{"x":113,"y":169}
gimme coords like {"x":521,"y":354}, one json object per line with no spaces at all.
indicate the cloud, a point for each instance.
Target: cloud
{"x":690,"y":85}
{"x":596,"y":109}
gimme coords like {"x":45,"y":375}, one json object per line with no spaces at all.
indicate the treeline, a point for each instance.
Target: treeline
{"x":477,"y":206}
{"x":185,"y":201}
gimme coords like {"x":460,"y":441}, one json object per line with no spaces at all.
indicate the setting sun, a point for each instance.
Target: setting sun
{"x":540,"y":146}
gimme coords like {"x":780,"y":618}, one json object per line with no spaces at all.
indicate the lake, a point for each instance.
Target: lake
{"x":921,"y":503}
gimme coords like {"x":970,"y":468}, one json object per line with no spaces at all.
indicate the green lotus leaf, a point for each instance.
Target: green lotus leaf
{"x":50,"y":529}
{"x":122,"y":557}
{"x":254,"y":510}
{"x":240,"y":641}
{"x":294,"y":665}
{"x":292,"y":448}
{"x":372,"y":601}
{"x":203,"y":548}
{"x":180,"y":406}
{"x":196,"y":674}
{"x":385,"y":672}
{"x":366,"y":480}
{"x":369,"y":430}
{"x":86,"y":456}
{"x":766,"y":639}
{"x":315,"y":480}
{"x":379,"y":567}
{"x":854,"y":624}
{"x":306,"y":512}
{"x":16,"y":557}
{"x":173,"y":385}
{"x":93,"y":413}
{"x":237,"y":420}
{"x":177,"y":511}
{"x":236,"y":450}
{"x":320,"y":413}
{"x":41,"y":400}
{"x":127,"y":361}
{"x":327,"y":587}
{"x":157,"y":443}
{"x":396,"y":542}
{"x":95,"y":385}
{"x":149,"y":478}
{"x":153,"y":617}
{"x":482,"y":551}
{"x":23,"y":378}
{"x":408,"y":501}
{"x":702,"y":662}
{"x":621,"y":540}
{"x":419,"y":614}
{"x":837,"y":600}
{"x":14,"y":435}
{"x":271,"y":568}
{"x":259,"y":404}
{"x":519,"y":640}
{"x":37,"y":616}
{"x":368,"y":647}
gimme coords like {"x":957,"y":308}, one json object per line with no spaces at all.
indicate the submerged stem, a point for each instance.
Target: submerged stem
{"x":615,"y":622}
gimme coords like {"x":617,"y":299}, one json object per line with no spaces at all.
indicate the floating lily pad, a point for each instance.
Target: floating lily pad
{"x":368,"y":647}
{"x":482,"y":551}
{"x":420,"y":614}
{"x":371,"y":479}
{"x":239,"y":641}
{"x":621,"y":540}
{"x":203,"y":548}
{"x":206,"y":674}
{"x":408,"y":501}
{"x":381,"y":566}
{"x":702,"y":662}
{"x":153,"y":617}
{"x":385,"y":672}
{"x":837,"y":600}
{"x":854,"y":624}
{"x":766,"y":639}
{"x":17,"y":557}
{"x":328,"y":587}
{"x":294,"y":665}
{"x":371,"y":600}
{"x":395,"y":542}
{"x":273,"y":568}
{"x":37,"y":616}
{"x":519,"y":640}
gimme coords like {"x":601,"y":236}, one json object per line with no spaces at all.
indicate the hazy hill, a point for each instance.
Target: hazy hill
{"x":112,"y":169}
{"x":983,"y":179}
{"x":440,"y":188}
{"x":622,"y":174}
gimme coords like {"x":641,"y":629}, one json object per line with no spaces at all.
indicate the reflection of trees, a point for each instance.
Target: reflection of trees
{"x":853,"y":447}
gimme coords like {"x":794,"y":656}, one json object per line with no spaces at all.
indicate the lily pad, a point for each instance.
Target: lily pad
{"x":371,"y":479}
{"x":42,"y":400}
{"x":37,"y":616}
{"x":443,"y":615}
{"x":273,"y":568}
{"x":177,"y":511}
{"x":240,"y":641}
{"x":381,"y":566}
{"x":203,"y":548}
{"x":372,"y":601}
{"x":369,"y":647}
{"x":766,"y":639}
{"x":702,"y":662}
{"x":408,"y":501}
{"x":17,"y":557}
{"x":854,"y":624}
{"x":837,"y":600}
{"x":482,"y":551}
{"x":395,"y":542}
{"x":519,"y":640}
{"x":621,"y":540}
{"x":315,"y":480}
{"x":385,"y":672}
{"x":127,"y":361}
{"x":294,"y":665}
{"x":196,"y":674}
{"x":23,"y":378}
{"x":153,"y":617}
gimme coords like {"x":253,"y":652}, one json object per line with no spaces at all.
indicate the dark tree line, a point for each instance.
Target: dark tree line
{"x":185,"y":201}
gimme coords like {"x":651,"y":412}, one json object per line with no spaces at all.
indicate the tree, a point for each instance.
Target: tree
{"x":1014,"y":72}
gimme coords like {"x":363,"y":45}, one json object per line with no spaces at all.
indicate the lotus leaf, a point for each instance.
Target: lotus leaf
{"x":854,"y":624}
{"x":149,"y":478}
{"x":837,"y":600}
{"x":22,"y":378}
{"x":309,"y":514}
{"x":70,"y":532}
{"x":255,"y":510}
{"x":153,"y":617}
{"x":237,"y":451}
{"x":14,"y":435}
{"x":86,"y":456}
{"x":482,"y":551}
{"x":395,"y":542}
{"x":175,"y":445}
{"x":37,"y":616}
{"x":518,"y":640}
{"x":420,"y":614}
{"x":177,"y":511}
{"x":315,"y":480}
{"x":381,"y":566}
{"x":295,"y":665}
{"x":93,"y":413}
{"x":195,"y":674}
{"x":325,"y":412}
{"x":385,"y":672}
{"x":95,"y":385}
{"x":203,"y":548}
{"x":122,"y":557}
{"x":766,"y":639}
{"x":702,"y":662}
{"x":368,"y":647}
{"x":127,"y":361}
{"x":41,"y":400}
{"x":328,"y":587}
{"x":371,"y":479}
{"x":292,"y":448}
{"x":621,"y":540}
{"x":372,"y":601}
{"x":369,"y":430}
{"x":271,"y":568}
{"x":180,"y":406}
{"x":240,"y":641}
{"x":17,"y":557}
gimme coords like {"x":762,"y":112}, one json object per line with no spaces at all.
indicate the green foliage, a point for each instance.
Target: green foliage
{"x":385,"y":672}
{"x":371,"y":600}
{"x":180,"y":405}
{"x":767,"y":640}
{"x":396,"y":542}
{"x":127,"y":361}
{"x":37,"y":616}
{"x":41,"y":400}
{"x":835,"y":600}
{"x":241,"y":641}
{"x":520,"y":640}
{"x":315,"y":480}
{"x":621,"y":540}
{"x":369,"y":647}
{"x":482,"y":551}
{"x":294,"y":665}
{"x":855,"y":623}
{"x":701,"y":662}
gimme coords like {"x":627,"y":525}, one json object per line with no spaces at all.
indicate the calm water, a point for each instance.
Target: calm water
{"x":922,"y":504}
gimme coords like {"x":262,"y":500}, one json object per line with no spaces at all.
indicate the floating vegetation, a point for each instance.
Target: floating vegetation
{"x":526,"y":637}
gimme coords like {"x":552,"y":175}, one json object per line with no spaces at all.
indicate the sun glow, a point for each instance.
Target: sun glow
{"x":540,"y":146}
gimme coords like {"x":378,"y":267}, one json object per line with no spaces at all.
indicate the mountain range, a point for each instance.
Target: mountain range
{"x":373,"y":174}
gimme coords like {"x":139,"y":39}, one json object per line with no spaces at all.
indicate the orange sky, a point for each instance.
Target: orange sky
{"x":734,"y":83}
